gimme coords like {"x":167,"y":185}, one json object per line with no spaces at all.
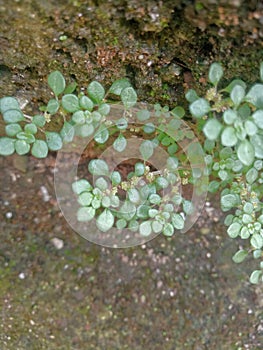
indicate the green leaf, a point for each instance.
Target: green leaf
{"x":139,"y":169}
{"x":67,"y":132}
{"x":228,"y":137}
{"x":81,"y":185}
{"x":101,"y":183}
{"x":143,"y":115}
{"x":39,"y":120}
{"x":177,"y":221}
{"x":39,"y":149}
{"x":128,"y":97}
{"x":251,"y":128}
{"x":134,"y":195}
{"x":255,"y":95}
{"x":237,"y":94}
{"x":104,"y":109}
{"x":229,"y":201}
{"x":52,"y":106}
{"x":172,"y":163}
{"x":234,"y":229}
{"x":256,"y":241}
{"x":7,"y":103}
{"x":96,"y":91}
{"x":240,"y":256}
{"x":29,"y":138}
{"x":70,"y":88}
{"x":120,"y":143}
{"x":145,"y":228}
{"x":142,"y":210}
{"x":13,"y":116}
{"x":246,"y":153}
{"x":191,"y":95}
{"x":213,"y":186}
{"x":70,"y":103}
{"x":121,"y":124}
{"x":85,"y":198}
{"x":258,"y":118}
{"x":251,"y":175}
{"x":79,"y":117}
{"x":30,"y":128}
{"x":121,"y":224}
{"x":157,"y":226}
{"x":212,"y":129}
{"x":257,"y":142}
{"x":229,"y":116}
{"x":178,"y":112}
{"x":154,"y":198}
{"x":215,"y":73}
{"x":85,"y":214}
{"x":86,"y":103}
{"x":56,"y":82}
{"x":54,"y":141}
{"x":255,"y":277}
{"x":98,"y":167}
{"x":7,"y":146}
{"x":12,"y":129}
{"x":101,"y":135}
{"x":105,"y":220}
{"x":119,"y":85}
{"x":116,"y":178}
{"x":22,"y":147}
{"x":199,"y":108}
{"x":128,"y":210}
{"x":146,"y":149}
{"x":168,"y":230}
{"x":261,"y":71}
{"x":233,"y":83}
{"x":86,"y":130}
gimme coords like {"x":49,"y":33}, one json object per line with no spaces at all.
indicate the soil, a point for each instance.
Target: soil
{"x":59,"y":291}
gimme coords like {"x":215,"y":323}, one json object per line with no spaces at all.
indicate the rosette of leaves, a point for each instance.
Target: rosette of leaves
{"x":231,"y":118}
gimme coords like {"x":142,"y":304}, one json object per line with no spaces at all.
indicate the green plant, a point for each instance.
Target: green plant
{"x":228,"y":120}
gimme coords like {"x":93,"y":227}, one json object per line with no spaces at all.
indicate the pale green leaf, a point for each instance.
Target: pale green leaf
{"x":240,"y":256}
{"x":199,"y":108}
{"x":215,"y":73}
{"x":118,"y":85}
{"x":258,"y":118}
{"x":228,"y":137}
{"x":178,"y":221}
{"x":85,"y":214}
{"x":81,"y":185}
{"x":234,"y":229}
{"x":255,"y":277}
{"x":7,"y":146}
{"x":168,"y":230}
{"x":52,"y":106}
{"x":22,"y":147}
{"x":255,"y":95}
{"x":146,"y":149}
{"x":54,"y":141}
{"x":56,"y":82}
{"x":7,"y":103}
{"x":70,"y":103}
{"x":145,"y":228}
{"x":212,"y":129}
{"x":12,"y":129}
{"x":39,"y":149}
{"x":13,"y":116}
{"x":96,"y":91}
{"x":98,"y":167}
{"x":257,"y":142}
{"x":246,"y":153}
{"x":237,"y":94}
{"x":101,"y":135}
{"x":105,"y":220}
{"x":120,"y":143}
{"x":128,"y":97}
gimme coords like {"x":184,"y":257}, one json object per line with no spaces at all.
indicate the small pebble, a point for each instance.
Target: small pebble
{"x":9,"y":215}
{"x":22,"y":276}
{"x":58,"y":243}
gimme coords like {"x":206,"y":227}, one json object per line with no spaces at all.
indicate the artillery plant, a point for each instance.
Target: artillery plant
{"x":228,"y":121}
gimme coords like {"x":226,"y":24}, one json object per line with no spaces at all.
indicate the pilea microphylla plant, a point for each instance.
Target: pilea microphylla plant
{"x":147,"y":200}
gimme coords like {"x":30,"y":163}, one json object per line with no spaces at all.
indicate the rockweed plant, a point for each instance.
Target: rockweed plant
{"x":169,"y":170}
